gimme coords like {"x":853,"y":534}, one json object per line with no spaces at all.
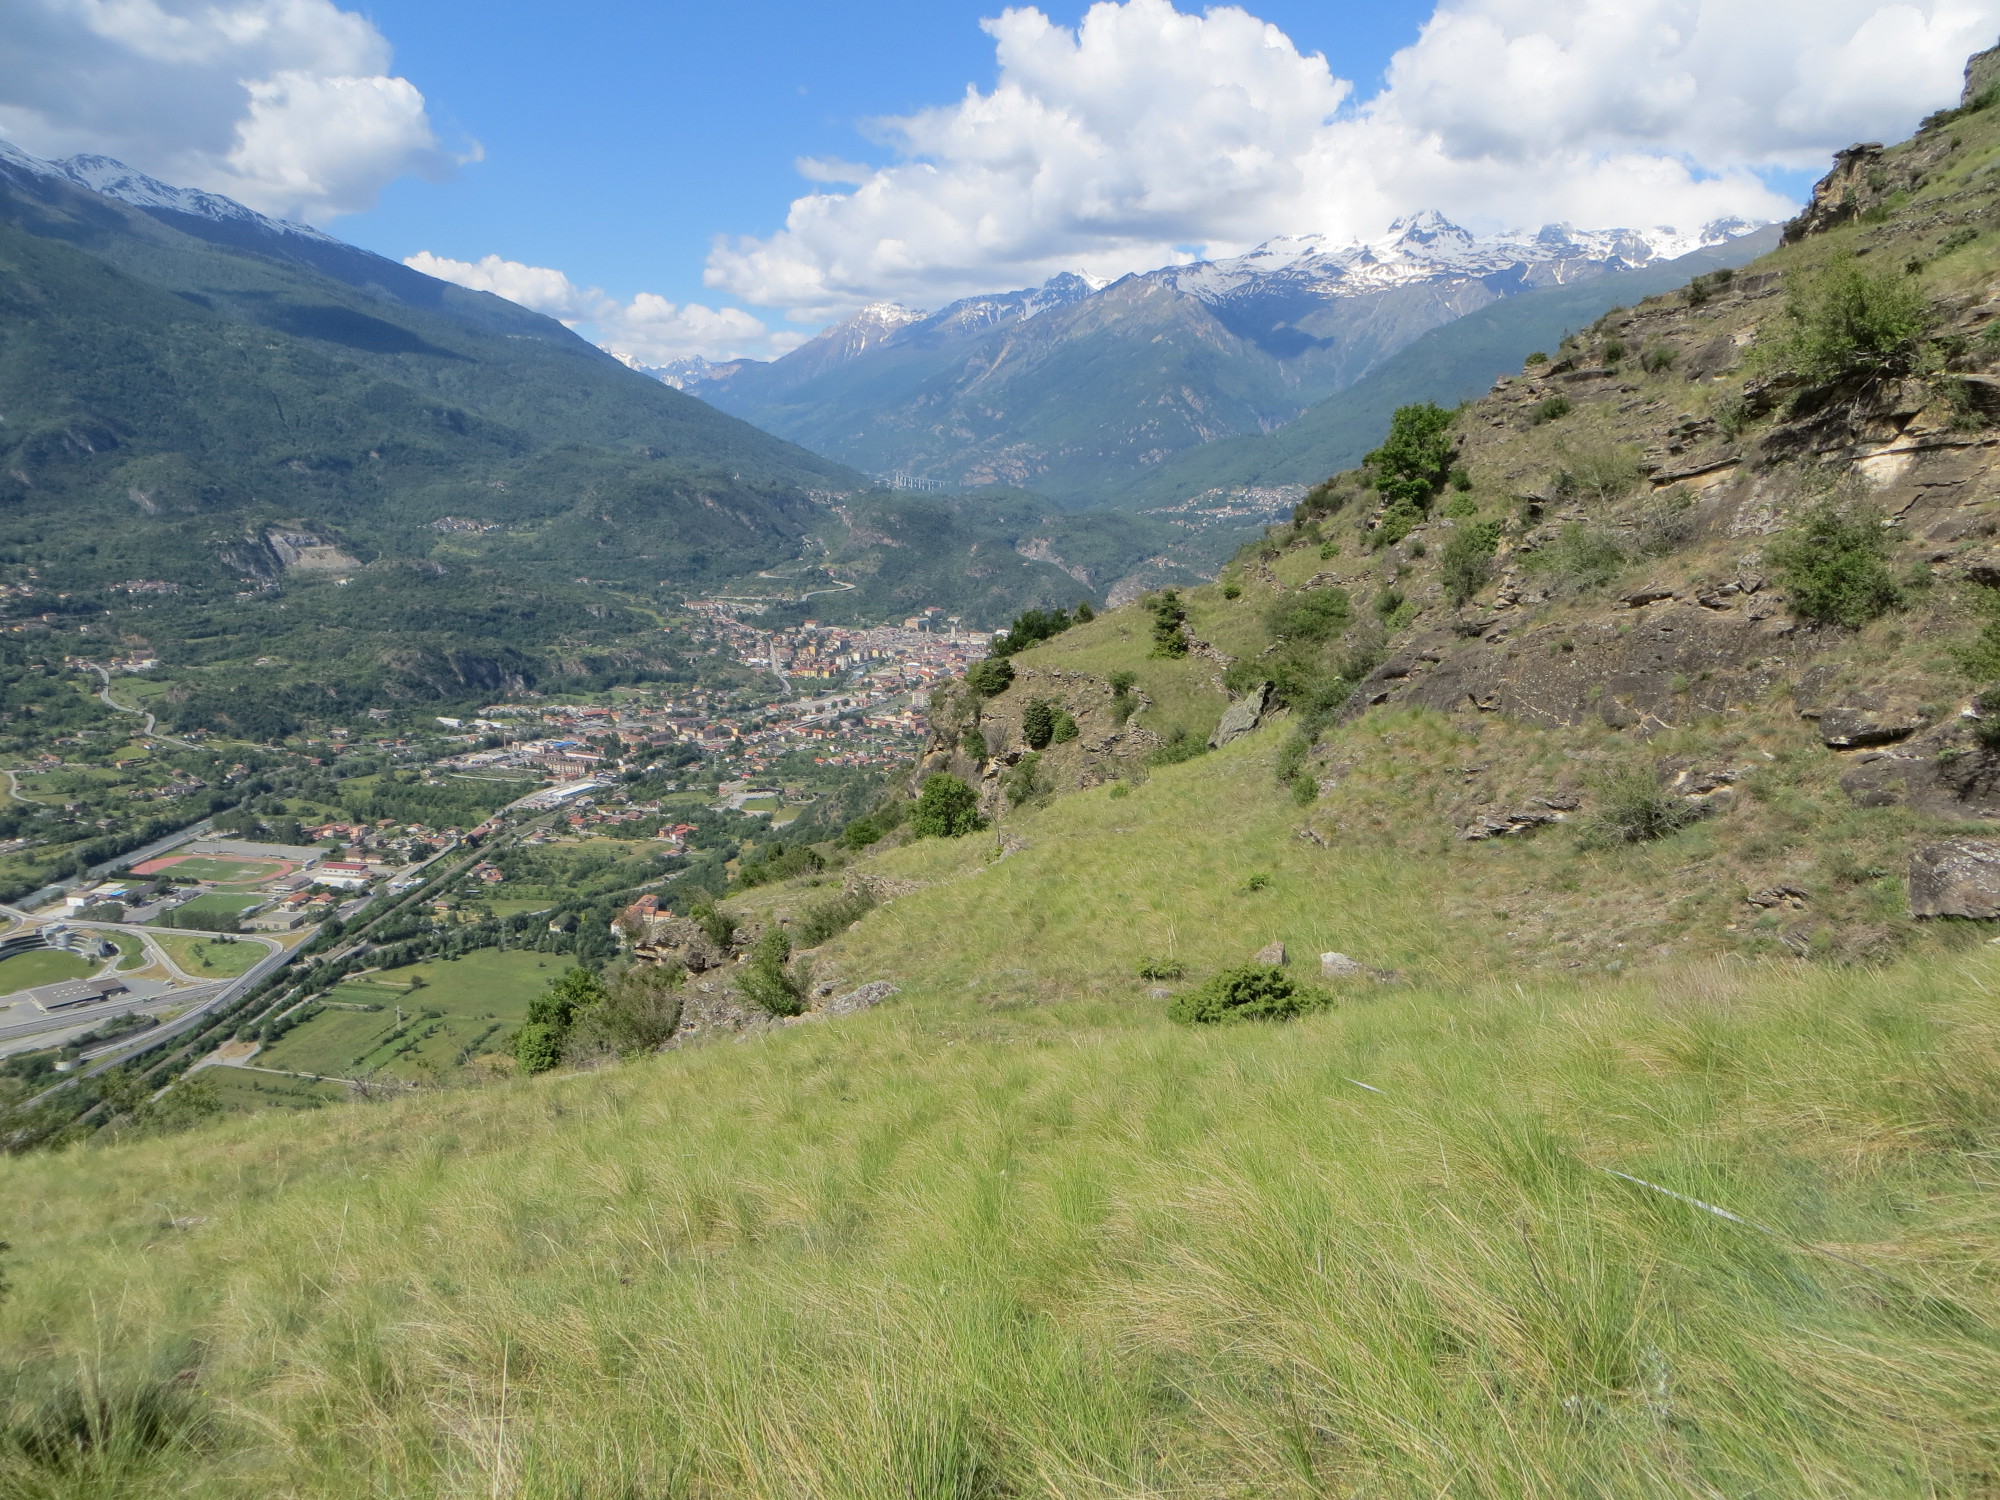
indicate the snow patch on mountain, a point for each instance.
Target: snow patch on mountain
{"x":113,"y":179}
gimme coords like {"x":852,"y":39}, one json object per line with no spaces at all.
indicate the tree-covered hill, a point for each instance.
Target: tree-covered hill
{"x":230,"y":419}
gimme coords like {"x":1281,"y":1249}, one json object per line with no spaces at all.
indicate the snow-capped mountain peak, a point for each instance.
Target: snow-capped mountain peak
{"x":1427,"y":246}
{"x":113,"y":179}
{"x":1427,"y":229}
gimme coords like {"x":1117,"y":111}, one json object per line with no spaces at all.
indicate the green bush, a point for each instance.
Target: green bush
{"x":1249,"y":993}
{"x":1122,"y":702}
{"x":1633,"y":808}
{"x":1038,"y":723}
{"x":768,"y":981}
{"x":1313,"y":615}
{"x":946,"y":808}
{"x":1844,"y":322}
{"x":1834,"y":566}
{"x":973,"y":743}
{"x":824,"y":919}
{"x":1549,"y":409}
{"x":1579,"y":559}
{"x":1162,"y":968}
{"x":779,"y":861}
{"x":1021,"y":782}
{"x":864,"y":831}
{"x":1179,"y":746}
{"x":1065,"y":728}
{"x":990,"y":677}
{"x":1414,"y":461}
{"x":541,"y":1041}
{"x":1034,"y":626}
{"x":640,"y":1010}
{"x":717,"y":925}
{"x":1466,"y":561}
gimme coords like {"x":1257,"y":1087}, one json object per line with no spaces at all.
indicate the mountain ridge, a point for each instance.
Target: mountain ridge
{"x":1072,"y":386}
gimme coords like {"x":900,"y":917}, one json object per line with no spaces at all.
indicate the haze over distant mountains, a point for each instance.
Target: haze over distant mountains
{"x":1076,"y":387}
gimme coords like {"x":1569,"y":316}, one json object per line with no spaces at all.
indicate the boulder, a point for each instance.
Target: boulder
{"x":1956,"y":878}
{"x":1340,"y":966}
{"x":1244,"y":715}
{"x":1853,"y":726}
{"x":862,"y":999}
{"x":1272,"y":954}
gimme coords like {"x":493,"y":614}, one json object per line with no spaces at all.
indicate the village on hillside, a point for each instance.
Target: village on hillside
{"x":848,"y":696}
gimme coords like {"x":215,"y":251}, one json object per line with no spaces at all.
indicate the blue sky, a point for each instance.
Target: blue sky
{"x":631,"y":168}
{"x":620,"y":138}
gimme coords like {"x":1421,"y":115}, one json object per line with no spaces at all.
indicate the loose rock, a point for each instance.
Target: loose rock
{"x":1272,"y":954}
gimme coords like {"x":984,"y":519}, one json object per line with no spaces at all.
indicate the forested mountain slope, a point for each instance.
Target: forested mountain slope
{"x":215,"y":411}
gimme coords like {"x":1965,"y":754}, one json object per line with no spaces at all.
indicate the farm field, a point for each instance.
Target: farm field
{"x":201,"y":955}
{"x":237,"y":1089}
{"x":513,"y":908}
{"x":462,"y":1009}
{"x":24,"y":971}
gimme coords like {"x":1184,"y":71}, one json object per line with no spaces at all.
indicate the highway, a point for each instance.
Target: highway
{"x":113,"y":1053}
{"x":106,"y":1010}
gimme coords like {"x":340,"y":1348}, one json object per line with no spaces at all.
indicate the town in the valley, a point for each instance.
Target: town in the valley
{"x":493,"y":815}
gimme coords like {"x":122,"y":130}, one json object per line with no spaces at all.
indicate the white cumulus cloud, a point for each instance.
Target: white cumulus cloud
{"x":648,"y":330}
{"x":289,"y":106}
{"x":1146,"y":134}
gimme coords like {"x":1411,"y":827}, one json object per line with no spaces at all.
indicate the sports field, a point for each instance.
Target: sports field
{"x":218,"y":869}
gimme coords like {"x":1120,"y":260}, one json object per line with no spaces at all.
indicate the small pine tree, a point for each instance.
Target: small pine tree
{"x":1038,"y":723}
{"x":768,"y":982}
{"x":1249,"y":993}
{"x":1168,"y":613}
{"x":991,"y":677}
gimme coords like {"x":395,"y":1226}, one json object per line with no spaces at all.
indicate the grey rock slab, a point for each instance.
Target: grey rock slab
{"x":1956,"y":878}
{"x":1242,"y":716}
{"x":862,"y":999}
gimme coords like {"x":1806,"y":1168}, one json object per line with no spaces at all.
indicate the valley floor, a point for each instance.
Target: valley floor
{"x":1012,"y":1234}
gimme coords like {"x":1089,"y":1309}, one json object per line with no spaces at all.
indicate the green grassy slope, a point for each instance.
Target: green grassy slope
{"x":1629,"y":1181}
{"x":1013,"y":1234}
